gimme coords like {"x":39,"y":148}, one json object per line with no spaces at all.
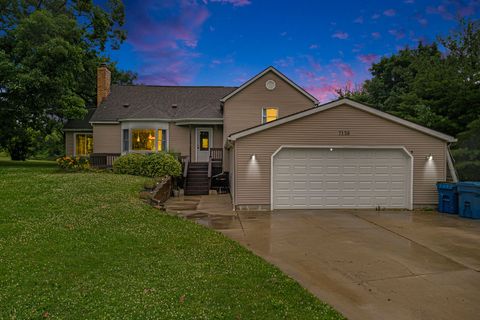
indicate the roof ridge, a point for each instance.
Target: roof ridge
{"x":165,"y":86}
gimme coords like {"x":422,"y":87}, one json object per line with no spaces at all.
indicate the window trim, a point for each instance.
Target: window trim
{"x":130,"y":135}
{"x":132,"y":125}
{"x":264,"y":114}
{"x":75,"y":134}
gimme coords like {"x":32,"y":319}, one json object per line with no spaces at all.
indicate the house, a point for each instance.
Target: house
{"x":280,"y":147}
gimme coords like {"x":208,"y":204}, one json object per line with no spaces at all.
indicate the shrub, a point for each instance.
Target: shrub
{"x":151,"y":165}
{"x":129,"y":164}
{"x":73,"y":163}
{"x":161,"y":164}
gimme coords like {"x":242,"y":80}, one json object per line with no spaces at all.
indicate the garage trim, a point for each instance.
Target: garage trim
{"x":340,"y":147}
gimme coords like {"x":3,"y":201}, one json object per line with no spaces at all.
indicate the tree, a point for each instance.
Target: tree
{"x":49,"y":52}
{"x":440,"y":90}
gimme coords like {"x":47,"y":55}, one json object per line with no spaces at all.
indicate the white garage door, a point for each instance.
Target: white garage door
{"x":321,"y":178}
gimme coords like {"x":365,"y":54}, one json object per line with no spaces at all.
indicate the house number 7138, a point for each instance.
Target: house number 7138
{"x":343,"y":132}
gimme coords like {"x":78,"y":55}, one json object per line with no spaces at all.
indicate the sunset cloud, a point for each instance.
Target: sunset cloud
{"x":398,"y":34}
{"x":235,"y":3}
{"x":340,"y":35}
{"x":389,"y":12}
{"x":358,"y":20}
{"x":367,"y":58}
{"x":346,"y":69}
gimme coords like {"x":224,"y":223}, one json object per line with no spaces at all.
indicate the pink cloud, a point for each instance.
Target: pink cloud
{"x":375,"y":16}
{"x":285,"y":62}
{"x":376,"y":35}
{"x":390,"y":12}
{"x":323,"y":93}
{"x":449,"y":9}
{"x":441,"y":10}
{"x":340,"y":35}
{"x":313,"y":46}
{"x":421,"y":20}
{"x":398,"y":34}
{"x":358,"y":20}
{"x":235,"y":3}
{"x":313,"y":63}
{"x":166,"y":47}
{"x":347,"y":71}
{"x":367,"y":58}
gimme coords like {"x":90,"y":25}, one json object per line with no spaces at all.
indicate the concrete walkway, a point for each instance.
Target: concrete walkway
{"x":368,"y":264}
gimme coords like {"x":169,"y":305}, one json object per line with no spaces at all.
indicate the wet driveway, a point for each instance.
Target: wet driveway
{"x":369,"y":264}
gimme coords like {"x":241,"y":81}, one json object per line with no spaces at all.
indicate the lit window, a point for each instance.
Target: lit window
{"x":269,"y":114}
{"x":162,"y":140}
{"x":83,"y":144}
{"x":204,"y":140}
{"x":143,"y":139}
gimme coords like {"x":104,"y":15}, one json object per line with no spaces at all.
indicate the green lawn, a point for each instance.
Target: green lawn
{"x":83,"y":246}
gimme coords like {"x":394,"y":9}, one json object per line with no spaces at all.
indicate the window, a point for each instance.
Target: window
{"x":269,"y":114}
{"x":162,"y":140}
{"x":143,"y":139}
{"x":83,"y":144}
{"x":126,"y":142}
{"x":204,"y":140}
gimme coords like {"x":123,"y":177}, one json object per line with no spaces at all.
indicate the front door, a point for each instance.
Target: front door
{"x":204,"y":141}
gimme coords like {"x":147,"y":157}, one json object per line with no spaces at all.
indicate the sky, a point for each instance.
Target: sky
{"x":320,"y":45}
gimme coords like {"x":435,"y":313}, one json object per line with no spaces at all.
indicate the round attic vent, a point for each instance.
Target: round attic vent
{"x":270,"y":84}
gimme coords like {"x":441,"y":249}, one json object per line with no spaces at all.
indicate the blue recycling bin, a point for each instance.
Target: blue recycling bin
{"x":469,"y":199}
{"x":447,"y":197}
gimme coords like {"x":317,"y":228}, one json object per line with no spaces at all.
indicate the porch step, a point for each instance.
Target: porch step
{"x":197,"y":179}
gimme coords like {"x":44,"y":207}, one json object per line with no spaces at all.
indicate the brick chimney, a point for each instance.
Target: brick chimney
{"x":103,"y":83}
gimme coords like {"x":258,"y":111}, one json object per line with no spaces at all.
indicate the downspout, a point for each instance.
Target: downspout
{"x":451,"y":167}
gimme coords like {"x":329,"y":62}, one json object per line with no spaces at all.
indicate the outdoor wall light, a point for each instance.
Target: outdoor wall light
{"x":331,"y":149}
{"x":253,"y":157}
{"x":429,"y":157}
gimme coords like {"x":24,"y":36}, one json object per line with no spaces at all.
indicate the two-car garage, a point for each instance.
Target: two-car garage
{"x":339,"y":155}
{"x":341,"y":177}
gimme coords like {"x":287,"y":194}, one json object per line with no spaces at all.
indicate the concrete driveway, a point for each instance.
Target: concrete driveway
{"x":368,"y":264}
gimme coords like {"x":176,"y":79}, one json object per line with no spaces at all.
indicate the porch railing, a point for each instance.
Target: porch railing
{"x":216,"y":154}
{"x":103,"y":160}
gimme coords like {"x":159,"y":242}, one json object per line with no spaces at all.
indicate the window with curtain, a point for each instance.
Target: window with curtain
{"x":162,"y":140}
{"x":143,"y":139}
{"x":83,"y":144}
{"x":269,"y":114}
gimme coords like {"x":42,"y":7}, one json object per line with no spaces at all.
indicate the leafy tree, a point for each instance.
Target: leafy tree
{"x":49,"y":52}
{"x":435,"y":89}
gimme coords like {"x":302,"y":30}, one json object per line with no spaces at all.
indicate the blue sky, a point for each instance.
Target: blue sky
{"x":321,"y":45}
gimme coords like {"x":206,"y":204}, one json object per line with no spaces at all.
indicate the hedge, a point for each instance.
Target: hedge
{"x":149,"y":165}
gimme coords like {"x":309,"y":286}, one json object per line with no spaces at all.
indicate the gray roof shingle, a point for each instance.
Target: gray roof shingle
{"x":83,"y":124}
{"x":155,"y":102}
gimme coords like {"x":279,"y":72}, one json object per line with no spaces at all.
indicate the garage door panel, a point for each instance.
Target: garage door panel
{"x":342,"y":178}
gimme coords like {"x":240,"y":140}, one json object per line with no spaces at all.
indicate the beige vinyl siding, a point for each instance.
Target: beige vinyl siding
{"x":252,"y":184}
{"x":179,"y":139}
{"x":69,"y":144}
{"x":217,"y":131}
{"x":107,"y":138}
{"x":217,"y":136}
{"x":244,"y":110}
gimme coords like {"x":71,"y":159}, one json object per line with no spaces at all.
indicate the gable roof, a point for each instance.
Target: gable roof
{"x":80,"y":124}
{"x":155,"y":103}
{"x":336,"y":103}
{"x":279,"y":74}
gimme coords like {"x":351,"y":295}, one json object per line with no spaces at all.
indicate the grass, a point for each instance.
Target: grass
{"x":83,"y":246}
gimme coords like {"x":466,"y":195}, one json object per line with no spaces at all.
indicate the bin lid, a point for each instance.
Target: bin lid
{"x":446,"y":185}
{"x":469,"y":186}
